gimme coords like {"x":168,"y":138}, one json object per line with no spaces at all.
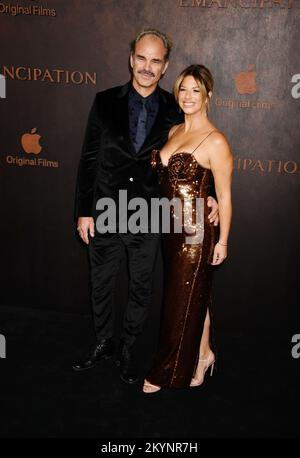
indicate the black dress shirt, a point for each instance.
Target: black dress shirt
{"x":134,"y":108}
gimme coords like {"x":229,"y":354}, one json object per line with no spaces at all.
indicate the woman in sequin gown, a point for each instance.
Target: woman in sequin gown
{"x":196,"y":157}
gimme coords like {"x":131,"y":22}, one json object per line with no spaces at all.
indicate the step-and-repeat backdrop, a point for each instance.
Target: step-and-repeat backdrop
{"x":55,"y":55}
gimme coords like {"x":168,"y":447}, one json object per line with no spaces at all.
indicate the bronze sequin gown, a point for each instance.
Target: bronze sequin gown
{"x":188,"y":274}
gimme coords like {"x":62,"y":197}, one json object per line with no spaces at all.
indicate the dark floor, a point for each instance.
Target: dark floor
{"x":254,"y":392}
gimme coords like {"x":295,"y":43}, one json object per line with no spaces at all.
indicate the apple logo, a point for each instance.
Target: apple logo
{"x":245,"y":81}
{"x":30,"y":142}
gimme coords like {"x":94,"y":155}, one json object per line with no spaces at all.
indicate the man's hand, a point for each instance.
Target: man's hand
{"x":214,"y":214}
{"x":86,"y":225}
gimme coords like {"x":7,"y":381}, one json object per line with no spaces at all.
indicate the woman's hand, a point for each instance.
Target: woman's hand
{"x":220,"y":253}
{"x":214,"y":214}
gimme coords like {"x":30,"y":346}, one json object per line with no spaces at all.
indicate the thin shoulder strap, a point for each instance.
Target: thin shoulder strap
{"x":213,"y":130}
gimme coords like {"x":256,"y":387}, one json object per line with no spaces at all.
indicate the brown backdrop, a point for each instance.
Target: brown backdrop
{"x":57,"y":54}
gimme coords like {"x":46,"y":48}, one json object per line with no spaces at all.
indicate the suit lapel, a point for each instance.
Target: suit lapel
{"x":121,"y":114}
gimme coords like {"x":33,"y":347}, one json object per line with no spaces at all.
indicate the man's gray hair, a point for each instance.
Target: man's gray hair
{"x":165,"y":39}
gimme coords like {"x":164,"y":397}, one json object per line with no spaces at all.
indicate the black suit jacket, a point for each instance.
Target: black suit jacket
{"x":108,"y":162}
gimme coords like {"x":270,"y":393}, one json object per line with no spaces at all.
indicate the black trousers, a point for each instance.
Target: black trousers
{"x":105,"y":252}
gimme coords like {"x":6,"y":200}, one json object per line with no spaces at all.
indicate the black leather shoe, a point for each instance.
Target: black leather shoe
{"x":128,"y":371}
{"x":104,"y":350}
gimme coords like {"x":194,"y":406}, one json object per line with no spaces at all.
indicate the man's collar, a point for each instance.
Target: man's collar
{"x":136,"y":95}
{"x":125,"y":89}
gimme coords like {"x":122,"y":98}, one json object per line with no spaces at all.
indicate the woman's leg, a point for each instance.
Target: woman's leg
{"x":206,"y":356}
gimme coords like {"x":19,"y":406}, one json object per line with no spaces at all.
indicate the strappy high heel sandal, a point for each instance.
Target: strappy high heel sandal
{"x":210,"y":362}
{"x":150,"y":388}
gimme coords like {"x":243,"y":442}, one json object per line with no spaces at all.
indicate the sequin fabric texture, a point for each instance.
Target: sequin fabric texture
{"x":187,"y":272}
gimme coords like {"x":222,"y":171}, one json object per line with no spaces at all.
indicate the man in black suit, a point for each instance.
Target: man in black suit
{"x":125,"y":124}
